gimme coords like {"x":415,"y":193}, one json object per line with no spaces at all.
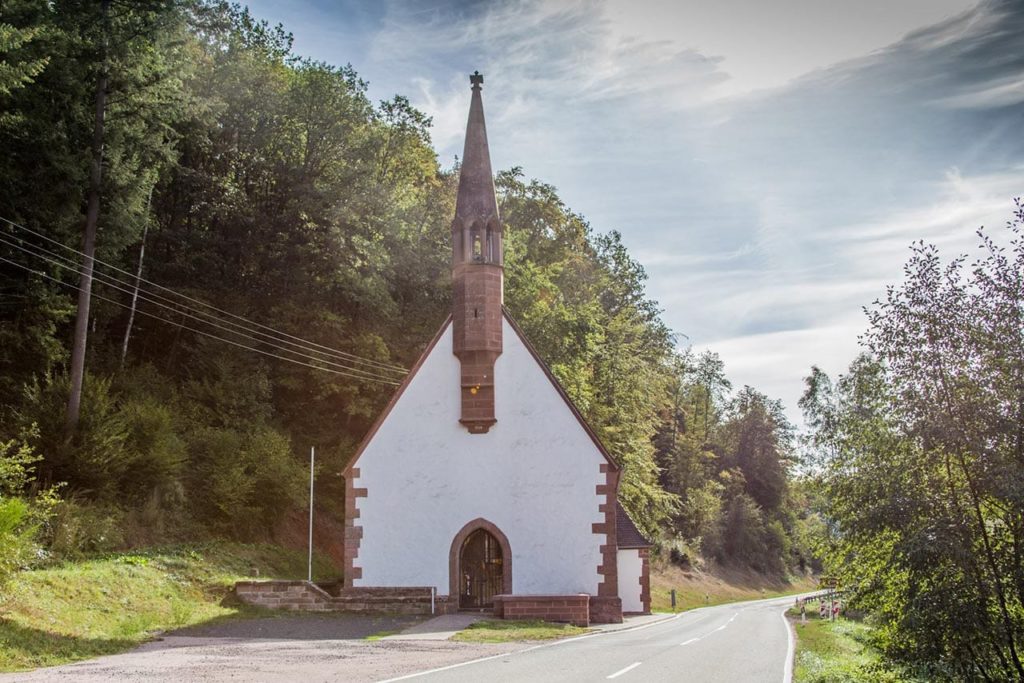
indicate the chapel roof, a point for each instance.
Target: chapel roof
{"x":627,"y":535}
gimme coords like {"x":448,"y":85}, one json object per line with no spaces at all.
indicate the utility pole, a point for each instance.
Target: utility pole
{"x":312,"y":459}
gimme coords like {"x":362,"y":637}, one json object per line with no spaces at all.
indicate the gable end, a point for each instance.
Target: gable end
{"x":561,"y":392}
{"x":397,"y":395}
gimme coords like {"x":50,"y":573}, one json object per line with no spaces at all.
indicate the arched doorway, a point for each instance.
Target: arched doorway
{"x":480,"y":570}
{"x":480,"y":565}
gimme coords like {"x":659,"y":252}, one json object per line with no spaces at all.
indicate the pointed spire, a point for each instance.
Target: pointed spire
{"x":476,"y":200}
{"x":477,"y":274}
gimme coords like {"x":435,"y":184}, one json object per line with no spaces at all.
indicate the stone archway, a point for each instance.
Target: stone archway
{"x":478,"y":538}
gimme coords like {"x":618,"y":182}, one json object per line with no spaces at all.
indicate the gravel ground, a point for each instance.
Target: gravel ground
{"x":308,"y":649}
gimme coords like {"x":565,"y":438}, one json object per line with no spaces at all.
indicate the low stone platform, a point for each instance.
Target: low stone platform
{"x":570,"y":609}
{"x":309,"y":596}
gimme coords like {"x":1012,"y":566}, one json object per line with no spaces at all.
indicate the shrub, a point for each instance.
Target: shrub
{"x":16,"y":537}
{"x":21,"y":518}
{"x":94,"y":458}
{"x":243,"y":482}
{"x":80,"y":528}
{"x":17,"y":463}
{"x":154,"y":452}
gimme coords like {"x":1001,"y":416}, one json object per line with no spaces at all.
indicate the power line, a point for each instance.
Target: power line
{"x":349,"y":358}
{"x":352,"y":357}
{"x":192,"y":329}
{"x":74,"y":265}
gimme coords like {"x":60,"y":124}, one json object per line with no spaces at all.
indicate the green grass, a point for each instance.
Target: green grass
{"x":837,"y":652}
{"x":696,"y":589}
{"x":381,"y":634}
{"x":509,"y":631}
{"x":110,"y":604}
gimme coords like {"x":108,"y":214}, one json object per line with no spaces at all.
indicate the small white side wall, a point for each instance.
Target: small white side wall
{"x":533,"y":475}
{"x":630,"y":569}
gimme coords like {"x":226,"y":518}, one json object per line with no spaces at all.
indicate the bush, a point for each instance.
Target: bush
{"x":16,"y":537}
{"x":678,"y":552}
{"x":79,"y":528}
{"x":94,"y":459}
{"x":155,"y":453}
{"x":243,"y":483}
{"x":20,"y":518}
{"x":17,"y":463}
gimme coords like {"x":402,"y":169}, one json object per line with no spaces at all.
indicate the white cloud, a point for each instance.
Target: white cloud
{"x":825,"y":303}
{"x":767,"y":44}
{"x":1003,"y":92}
{"x":776,"y":363}
{"x":769,"y":191}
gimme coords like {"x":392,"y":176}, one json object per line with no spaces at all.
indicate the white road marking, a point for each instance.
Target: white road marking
{"x":787,"y":670}
{"x":720,"y":628}
{"x":565,"y":641}
{"x":622,"y":671}
{"x":556,"y":643}
{"x":451,"y":666}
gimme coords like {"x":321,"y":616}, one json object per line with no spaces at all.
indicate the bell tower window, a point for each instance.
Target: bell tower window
{"x":478,"y":252}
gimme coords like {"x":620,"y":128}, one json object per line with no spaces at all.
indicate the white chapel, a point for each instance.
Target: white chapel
{"x":481,"y":479}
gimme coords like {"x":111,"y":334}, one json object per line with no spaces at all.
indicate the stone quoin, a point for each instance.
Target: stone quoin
{"x":481,"y":479}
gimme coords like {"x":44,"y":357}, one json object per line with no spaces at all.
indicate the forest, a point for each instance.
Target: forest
{"x":271,"y":253}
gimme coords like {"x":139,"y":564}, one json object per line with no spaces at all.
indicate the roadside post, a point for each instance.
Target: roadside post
{"x":312,"y":459}
{"x":673,"y":594}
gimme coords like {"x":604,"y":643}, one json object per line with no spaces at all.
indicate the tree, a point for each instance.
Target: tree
{"x":922,"y":448}
{"x":17,"y":73}
{"x":709,"y":375}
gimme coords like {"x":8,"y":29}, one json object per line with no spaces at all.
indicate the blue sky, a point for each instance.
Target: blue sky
{"x":768,"y":163}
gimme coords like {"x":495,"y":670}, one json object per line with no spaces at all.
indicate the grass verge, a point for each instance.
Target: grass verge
{"x":112,"y":603}
{"x":699,"y":589}
{"x":381,"y":634}
{"x":840,"y":650}
{"x":509,"y":631}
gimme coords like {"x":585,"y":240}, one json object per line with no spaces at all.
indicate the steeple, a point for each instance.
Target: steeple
{"x":476,"y":201}
{"x":477,"y":272}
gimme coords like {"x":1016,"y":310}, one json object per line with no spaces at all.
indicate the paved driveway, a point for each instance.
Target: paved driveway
{"x":308,"y":649}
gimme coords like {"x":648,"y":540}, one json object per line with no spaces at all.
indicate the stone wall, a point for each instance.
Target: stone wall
{"x":571,"y":609}
{"x":307,"y":596}
{"x":605,"y":610}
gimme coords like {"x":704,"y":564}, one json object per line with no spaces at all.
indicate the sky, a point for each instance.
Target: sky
{"x":769,"y":163}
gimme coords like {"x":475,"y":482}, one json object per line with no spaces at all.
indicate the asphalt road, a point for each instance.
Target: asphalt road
{"x":748,"y":641}
{"x":731,"y":643}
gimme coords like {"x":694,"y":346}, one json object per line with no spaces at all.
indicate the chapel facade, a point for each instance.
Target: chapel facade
{"x":481,"y":479}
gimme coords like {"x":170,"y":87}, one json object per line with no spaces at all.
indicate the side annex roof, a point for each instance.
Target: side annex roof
{"x":627,"y":534}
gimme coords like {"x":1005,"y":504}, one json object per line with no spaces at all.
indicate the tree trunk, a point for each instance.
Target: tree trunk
{"x":92,"y":215}
{"x":138,"y":278}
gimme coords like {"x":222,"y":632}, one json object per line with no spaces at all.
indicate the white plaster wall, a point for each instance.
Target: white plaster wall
{"x":631,"y":567}
{"x":533,"y":475}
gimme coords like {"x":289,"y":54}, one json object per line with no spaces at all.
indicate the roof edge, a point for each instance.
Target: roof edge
{"x":395,"y":396}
